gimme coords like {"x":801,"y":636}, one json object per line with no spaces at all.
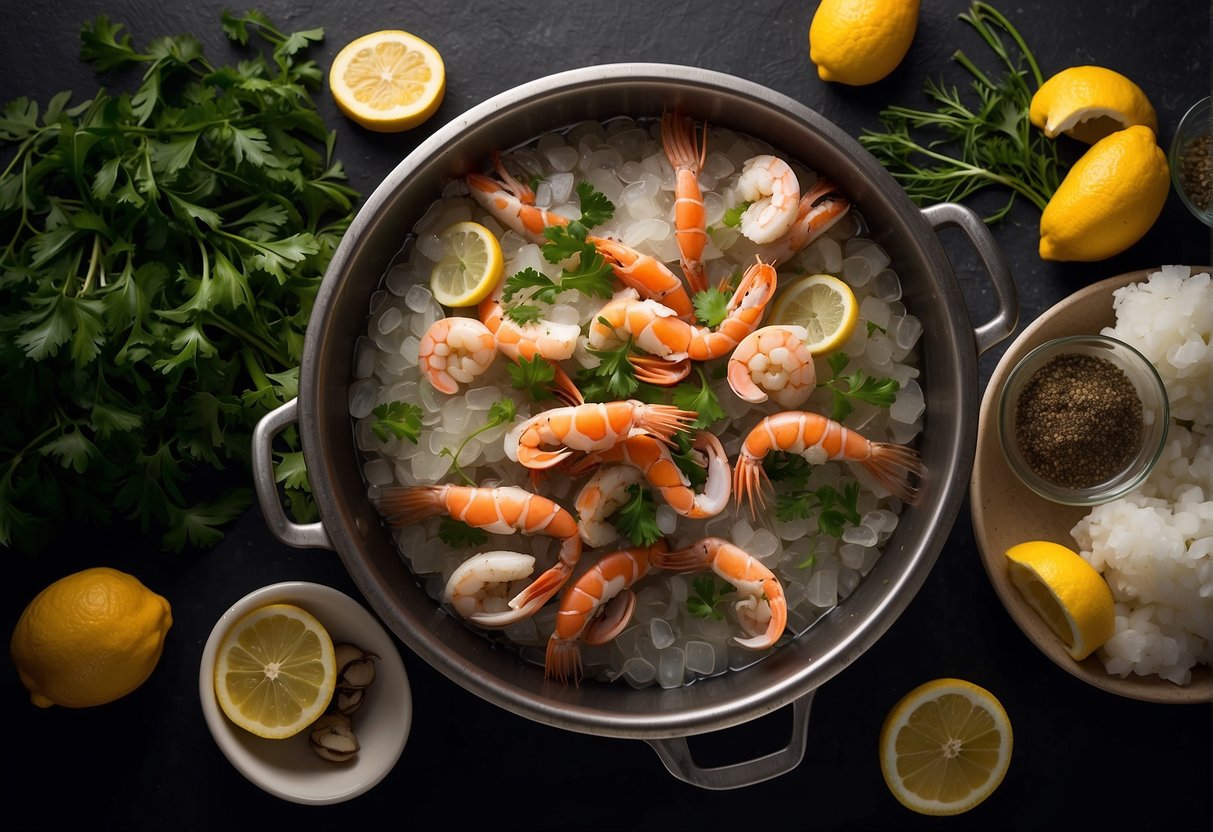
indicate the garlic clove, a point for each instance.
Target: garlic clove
{"x":358,"y":673}
{"x":346,"y":653}
{"x":332,"y":739}
{"x":349,"y":701}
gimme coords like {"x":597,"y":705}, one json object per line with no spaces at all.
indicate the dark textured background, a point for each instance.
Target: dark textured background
{"x":1081,"y":755}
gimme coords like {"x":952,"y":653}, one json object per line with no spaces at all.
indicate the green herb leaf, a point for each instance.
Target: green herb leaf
{"x":595,"y":207}
{"x":501,"y":412}
{"x":637,"y":518}
{"x":399,"y":419}
{"x":732,"y":216}
{"x":459,"y":535}
{"x":711,"y":306}
{"x":533,"y":375}
{"x":705,"y":596}
{"x":529,"y":278}
{"x":701,"y":399}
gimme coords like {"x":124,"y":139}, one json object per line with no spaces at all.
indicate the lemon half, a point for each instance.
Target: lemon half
{"x":1067,"y":592}
{"x":470,"y":267}
{"x":275,"y":671}
{"x":1088,"y":103}
{"x":823,"y":305}
{"x":945,"y":747}
{"x":388,"y":81}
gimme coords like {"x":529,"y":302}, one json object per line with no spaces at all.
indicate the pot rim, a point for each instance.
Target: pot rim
{"x":695,"y":711}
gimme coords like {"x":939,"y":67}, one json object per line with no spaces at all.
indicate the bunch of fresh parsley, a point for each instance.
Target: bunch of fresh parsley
{"x":160,"y":252}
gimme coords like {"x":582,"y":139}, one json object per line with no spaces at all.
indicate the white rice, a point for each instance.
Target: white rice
{"x":664,"y":644}
{"x":1155,"y":545}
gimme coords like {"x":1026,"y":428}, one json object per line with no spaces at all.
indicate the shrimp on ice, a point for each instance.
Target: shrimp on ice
{"x":603,"y":493}
{"x":818,"y":440}
{"x":502,"y":510}
{"x":769,"y":184}
{"x":594,"y":426}
{"x":652,"y":459}
{"x":512,"y":202}
{"x":646,"y":274}
{"x":657,"y":331}
{"x":553,"y":341}
{"x":690,"y":218}
{"x":595,"y":609}
{"x":762,"y":610}
{"x":454,"y":351}
{"x":483,"y":584}
{"x":818,"y":211}
{"x":773,"y":360}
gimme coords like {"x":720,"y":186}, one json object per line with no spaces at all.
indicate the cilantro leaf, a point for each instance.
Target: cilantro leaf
{"x":711,"y":306}
{"x":528,"y":278}
{"x":399,"y":419}
{"x":701,"y":399}
{"x":615,"y":374}
{"x":524,"y":314}
{"x":705,"y":596}
{"x":637,"y":518}
{"x":459,"y":535}
{"x":595,"y":207}
{"x":858,"y":386}
{"x":533,"y":376}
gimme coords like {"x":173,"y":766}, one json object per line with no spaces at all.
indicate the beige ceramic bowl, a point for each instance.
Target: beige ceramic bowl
{"x":288,"y":768}
{"x":1006,"y":512}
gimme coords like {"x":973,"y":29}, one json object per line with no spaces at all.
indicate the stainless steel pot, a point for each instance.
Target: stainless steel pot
{"x":664,"y":718}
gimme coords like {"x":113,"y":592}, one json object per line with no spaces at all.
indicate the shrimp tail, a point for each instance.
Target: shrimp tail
{"x":542,"y":588}
{"x":894,"y":466}
{"x":681,"y":560}
{"x":663,"y":420}
{"x":404,"y":505}
{"x":750,"y":483}
{"x":615,"y":616}
{"x":562,"y":660}
{"x":652,"y":369}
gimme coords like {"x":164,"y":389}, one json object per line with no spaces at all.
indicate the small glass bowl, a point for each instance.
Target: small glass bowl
{"x":1155,"y":416}
{"x":1195,"y":124}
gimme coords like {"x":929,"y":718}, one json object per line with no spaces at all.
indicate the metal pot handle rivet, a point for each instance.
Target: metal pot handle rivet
{"x":302,"y":536}
{"x":676,"y":755}
{"x":1000,"y":327}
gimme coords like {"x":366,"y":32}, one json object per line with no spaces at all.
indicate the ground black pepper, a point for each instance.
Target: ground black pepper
{"x":1078,"y":420}
{"x":1196,"y":171}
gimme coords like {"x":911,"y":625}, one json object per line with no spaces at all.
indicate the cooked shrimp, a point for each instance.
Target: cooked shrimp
{"x":483,"y":584}
{"x":512,"y":203}
{"x":653,"y":460}
{"x":769,"y":184}
{"x":818,"y":440}
{"x":773,"y":360}
{"x":553,"y":341}
{"x":599,"y":498}
{"x":595,"y":609}
{"x":589,"y":427}
{"x":817,"y":212}
{"x":762,"y":610}
{"x":502,"y":510}
{"x":454,"y":351}
{"x":656,"y":330}
{"x":646,"y":274}
{"x":690,"y":218}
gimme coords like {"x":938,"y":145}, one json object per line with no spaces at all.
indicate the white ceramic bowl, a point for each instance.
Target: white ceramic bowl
{"x":288,"y":768}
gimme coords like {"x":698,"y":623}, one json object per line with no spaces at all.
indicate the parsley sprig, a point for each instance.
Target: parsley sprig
{"x":160,"y":252}
{"x":701,"y":399}
{"x":533,"y":376}
{"x":399,"y":419}
{"x":637,"y":518}
{"x":706,"y":594}
{"x":459,"y":535}
{"x":711,"y":305}
{"x":960,"y":148}
{"x":858,"y":386}
{"x":501,"y":412}
{"x":834,"y":510}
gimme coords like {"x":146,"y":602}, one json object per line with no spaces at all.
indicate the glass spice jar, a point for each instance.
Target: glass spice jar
{"x":1083,"y":419}
{"x":1191,"y":160}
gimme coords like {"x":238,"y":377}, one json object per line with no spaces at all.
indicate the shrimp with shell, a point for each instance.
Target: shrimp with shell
{"x":690,"y":217}
{"x":455,"y":351}
{"x":770,"y":185}
{"x":773,"y":362}
{"x":818,"y":211}
{"x":596,"y":608}
{"x":501,"y":510}
{"x":646,"y":274}
{"x":512,"y":203}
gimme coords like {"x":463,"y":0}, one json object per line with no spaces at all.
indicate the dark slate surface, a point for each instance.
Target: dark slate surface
{"x":1080,"y":754}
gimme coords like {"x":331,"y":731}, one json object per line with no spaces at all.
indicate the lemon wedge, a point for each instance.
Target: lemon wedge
{"x":1088,"y":103}
{"x":823,"y":305}
{"x":945,"y":747}
{"x":1067,"y":592}
{"x":276,"y":671}
{"x":470,"y":267}
{"x":388,"y":81}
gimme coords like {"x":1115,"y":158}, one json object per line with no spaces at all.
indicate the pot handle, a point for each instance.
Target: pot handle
{"x":676,"y":755}
{"x":301,"y":536}
{"x":998,"y":328}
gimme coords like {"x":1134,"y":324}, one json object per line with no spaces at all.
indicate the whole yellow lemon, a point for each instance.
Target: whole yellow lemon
{"x":1108,"y":200}
{"x":859,"y":42}
{"x":89,"y":638}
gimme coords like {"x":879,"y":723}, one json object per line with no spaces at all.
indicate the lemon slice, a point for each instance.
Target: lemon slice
{"x":1088,"y":103}
{"x":945,"y":747}
{"x":388,"y":81}
{"x":276,"y":671}
{"x":1067,"y":592}
{"x":823,"y":305}
{"x":469,"y":268}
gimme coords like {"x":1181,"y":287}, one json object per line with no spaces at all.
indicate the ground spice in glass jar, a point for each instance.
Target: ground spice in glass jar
{"x":1078,"y":420}
{"x":1196,"y":170}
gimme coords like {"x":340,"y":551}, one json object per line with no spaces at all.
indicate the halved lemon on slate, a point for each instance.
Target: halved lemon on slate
{"x":470,"y":267}
{"x":945,"y":747}
{"x":1067,"y":592}
{"x":822,"y":304}
{"x":1088,"y":103}
{"x":276,"y":671}
{"x":388,"y":81}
